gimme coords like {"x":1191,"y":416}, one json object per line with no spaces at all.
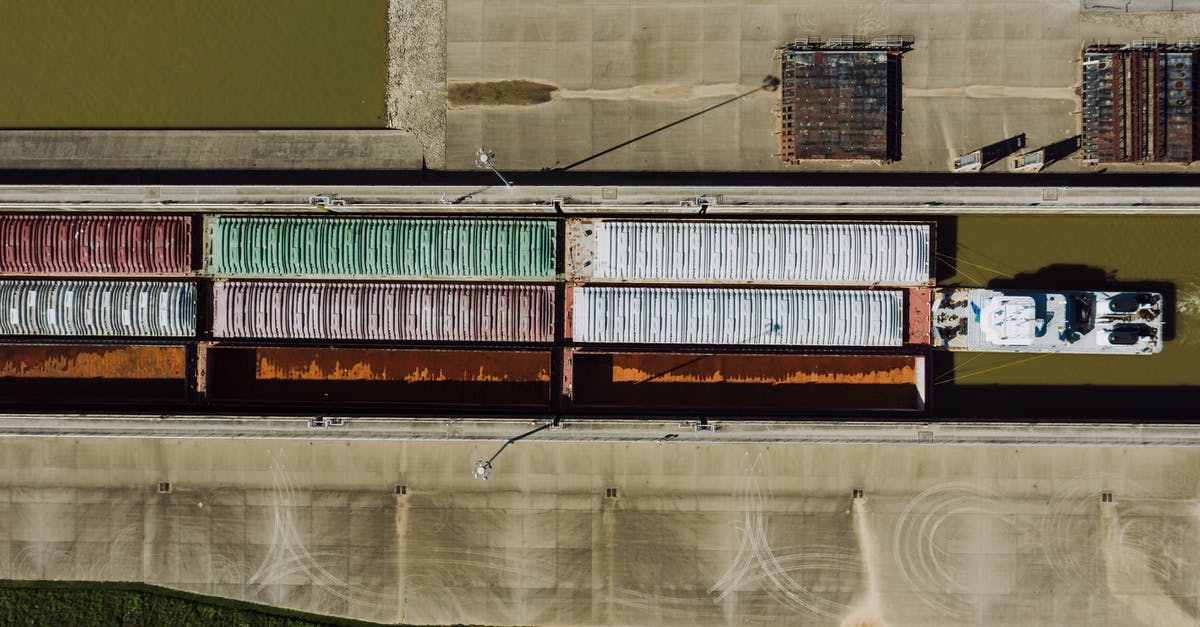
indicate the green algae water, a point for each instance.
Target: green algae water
{"x":1084,"y":252}
{"x":193,"y":63}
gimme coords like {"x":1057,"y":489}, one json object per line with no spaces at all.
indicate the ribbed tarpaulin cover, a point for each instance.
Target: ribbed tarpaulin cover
{"x":798,"y":253}
{"x":104,"y":308}
{"x":437,"y":248}
{"x":95,"y":244}
{"x":429,"y":312}
{"x":731,"y":316}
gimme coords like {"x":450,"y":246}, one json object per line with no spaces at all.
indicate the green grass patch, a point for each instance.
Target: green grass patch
{"x":94,"y":603}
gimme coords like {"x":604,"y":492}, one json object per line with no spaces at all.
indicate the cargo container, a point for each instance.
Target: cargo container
{"x":95,"y":244}
{"x":781,"y":253}
{"x":744,"y":383}
{"x":414,"y":248}
{"x":482,"y":379}
{"x":97,"y":308}
{"x":418,"y":312}
{"x":78,"y":373}
{"x":736,"y":316}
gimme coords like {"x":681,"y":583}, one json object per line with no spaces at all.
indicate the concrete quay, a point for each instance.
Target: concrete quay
{"x":607,"y":200}
{"x":673,"y":532}
{"x":209,"y":150}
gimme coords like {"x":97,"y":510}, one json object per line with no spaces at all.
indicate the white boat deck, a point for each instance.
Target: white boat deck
{"x":1047,"y":322}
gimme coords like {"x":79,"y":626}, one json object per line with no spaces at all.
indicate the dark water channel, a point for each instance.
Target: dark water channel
{"x":1076,"y":252}
{"x":193,"y":63}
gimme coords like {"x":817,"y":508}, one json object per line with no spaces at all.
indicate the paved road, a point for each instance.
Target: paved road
{"x":584,"y":430}
{"x":612,"y":200}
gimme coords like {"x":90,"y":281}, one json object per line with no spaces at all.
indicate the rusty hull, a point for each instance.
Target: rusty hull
{"x":377,"y":376}
{"x":754,"y":383}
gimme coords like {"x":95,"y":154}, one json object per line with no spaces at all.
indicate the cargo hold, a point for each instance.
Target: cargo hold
{"x":746,"y":383}
{"x":97,"y":308}
{"x":412,"y":378}
{"x":95,"y":244}
{"x":737,"y":317}
{"x":73,"y":373}
{"x":783,"y":253}
{"x":418,"y":312}
{"x":415,"y":248}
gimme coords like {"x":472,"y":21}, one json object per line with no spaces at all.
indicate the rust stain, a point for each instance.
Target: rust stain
{"x":763,"y":369}
{"x":410,"y":366}
{"x":82,"y":361}
{"x":919,"y":305}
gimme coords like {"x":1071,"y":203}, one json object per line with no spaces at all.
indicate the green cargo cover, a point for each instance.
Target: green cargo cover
{"x":434,"y":248}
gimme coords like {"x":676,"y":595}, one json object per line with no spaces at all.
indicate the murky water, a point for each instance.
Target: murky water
{"x":193,"y":63}
{"x":1087,"y":252}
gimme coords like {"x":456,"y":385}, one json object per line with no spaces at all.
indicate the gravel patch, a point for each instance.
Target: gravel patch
{"x":416,"y":88}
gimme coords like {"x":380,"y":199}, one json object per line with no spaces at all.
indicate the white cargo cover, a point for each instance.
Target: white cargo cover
{"x":793,"y":253}
{"x":730,"y":316}
{"x":98,"y":308}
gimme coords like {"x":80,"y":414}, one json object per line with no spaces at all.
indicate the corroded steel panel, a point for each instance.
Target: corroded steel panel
{"x":91,"y":361}
{"x":772,"y":382}
{"x":95,"y":244}
{"x":422,"y":312}
{"x":840,"y":104}
{"x":484,"y":379}
{"x":344,"y":246}
{"x":412,"y":366}
{"x":97,"y":308}
{"x":1138,"y":103}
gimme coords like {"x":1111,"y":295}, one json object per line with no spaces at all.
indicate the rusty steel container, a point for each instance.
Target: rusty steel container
{"x":405,"y":377}
{"x":68,"y":373}
{"x":418,"y":312}
{"x":95,"y":244}
{"x":745,"y":383}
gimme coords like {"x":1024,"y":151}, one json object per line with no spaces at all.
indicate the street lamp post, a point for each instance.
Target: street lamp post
{"x":483,"y":159}
{"x":484,"y":467}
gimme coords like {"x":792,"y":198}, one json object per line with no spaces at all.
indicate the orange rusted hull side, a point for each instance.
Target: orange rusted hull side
{"x":83,"y":361}
{"x":476,"y":378}
{"x":773,"y":383}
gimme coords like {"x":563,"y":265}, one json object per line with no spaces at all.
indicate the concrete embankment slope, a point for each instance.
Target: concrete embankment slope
{"x":210,"y":150}
{"x":622,"y":532}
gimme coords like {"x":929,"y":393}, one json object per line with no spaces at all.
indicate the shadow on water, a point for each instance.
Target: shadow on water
{"x":1096,"y":403}
{"x":952,"y":400}
{"x":945,"y":265}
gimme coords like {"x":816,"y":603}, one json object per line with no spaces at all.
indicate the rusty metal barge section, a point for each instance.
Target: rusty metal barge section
{"x":767,"y":252}
{"x":787,"y":383}
{"x":841,"y":99}
{"x":408,"y":248}
{"x":65,"y":374}
{"x":417,"y":312}
{"x":95,"y":244}
{"x":1139,"y":102}
{"x":481,"y":379}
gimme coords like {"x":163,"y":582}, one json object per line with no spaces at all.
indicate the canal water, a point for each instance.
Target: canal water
{"x":1093,"y":252}
{"x":193,"y":64}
